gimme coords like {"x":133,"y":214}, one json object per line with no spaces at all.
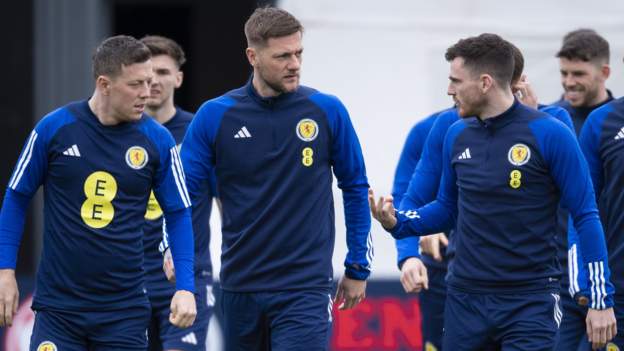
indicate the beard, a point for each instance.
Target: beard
{"x":275,"y":83}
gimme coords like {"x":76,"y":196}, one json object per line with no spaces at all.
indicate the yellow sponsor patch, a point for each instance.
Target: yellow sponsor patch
{"x":515,"y":179}
{"x":612,"y":347}
{"x":47,"y":346}
{"x":307,"y":154}
{"x":97,"y":210}
{"x":153,"y":210}
{"x":429,"y":347}
{"x":136,"y":157}
{"x":307,"y":129}
{"x":519,"y":155}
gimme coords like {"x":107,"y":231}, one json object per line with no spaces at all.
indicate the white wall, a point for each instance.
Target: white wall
{"x":385,"y":60}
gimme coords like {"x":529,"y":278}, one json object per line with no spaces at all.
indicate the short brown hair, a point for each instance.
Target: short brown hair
{"x":518,"y":64}
{"x":159,"y":45}
{"x":270,"y":22}
{"x":118,"y":51}
{"x":585,"y":45}
{"x":486,"y":53}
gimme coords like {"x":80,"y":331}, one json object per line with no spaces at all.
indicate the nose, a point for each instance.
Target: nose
{"x":144,"y":92}
{"x":294,"y":63}
{"x":450,"y":90}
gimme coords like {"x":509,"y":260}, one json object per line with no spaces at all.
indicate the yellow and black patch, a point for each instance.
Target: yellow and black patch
{"x":515,"y":179}
{"x":519,"y":155}
{"x":47,"y":346}
{"x":307,"y":129}
{"x":136,"y":157}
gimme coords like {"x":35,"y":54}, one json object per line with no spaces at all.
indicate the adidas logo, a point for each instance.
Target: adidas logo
{"x":242,"y":133}
{"x":72,"y":151}
{"x":190,"y":339}
{"x":465,"y":155}
{"x":620,"y":134}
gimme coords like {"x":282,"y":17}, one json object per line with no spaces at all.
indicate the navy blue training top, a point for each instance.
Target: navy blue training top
{"x":157,"y":284}
{"x":566,"y":251}
{"x":502,"y":180}
{"x":273,"y":159}
{"x":602,"y":142}
{"x":97,"y":182}
{"x":425,"y":181}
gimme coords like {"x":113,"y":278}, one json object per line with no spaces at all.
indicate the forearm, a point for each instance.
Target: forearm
{"x":359,"y":241}
{"x":180,"y":232}
{"x":12,"y":218}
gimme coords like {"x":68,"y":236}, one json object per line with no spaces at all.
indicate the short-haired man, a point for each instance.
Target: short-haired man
{"x":274,"y":144}
{"x":584,"y":66}
{"x":425,"y":174}
{"x":602,"y":142}
{"x":167,"y":60}
{"x":502,"y":175}
{"x":97,"y":160}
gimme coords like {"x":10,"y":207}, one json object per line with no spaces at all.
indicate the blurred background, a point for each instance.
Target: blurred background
{"x":385,"y":60}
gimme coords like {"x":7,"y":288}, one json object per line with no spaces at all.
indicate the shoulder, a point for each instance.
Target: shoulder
{"x":215,"y":108}
{"x":598,"y":115}
{"x":56,"y":119}
{"x":327,"y":102}
{"x":154,"y":131}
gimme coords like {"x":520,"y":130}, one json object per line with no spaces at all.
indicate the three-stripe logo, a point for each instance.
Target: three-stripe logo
{"x":620,"y":134}
{"x":465,"y":155}
{"x":242,"y":133}
{"x":72,"y":151}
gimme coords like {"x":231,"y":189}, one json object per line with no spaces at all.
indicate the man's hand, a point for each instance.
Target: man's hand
{"x":414,"y":275}
{"x":430,"y":245}
{"x":524,"y":92}
{"x":383,"y":211}
{"x":9,"y":297}
{"x":183,"y":310}
{"x":601,"y":327}
{"x":168,"y":267}
{"x":350,"y":292}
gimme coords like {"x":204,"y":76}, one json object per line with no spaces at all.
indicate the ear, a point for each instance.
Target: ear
{"x":485,"y":83}
{"x":606,"y":71}
{"x":252,"y":56}
{"x":179,"y":76}
{"x":103,"y":84}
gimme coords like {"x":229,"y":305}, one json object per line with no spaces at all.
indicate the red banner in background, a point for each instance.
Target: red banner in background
{"x":378,"y":323}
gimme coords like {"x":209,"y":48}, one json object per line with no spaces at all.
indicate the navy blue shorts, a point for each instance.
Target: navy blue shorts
{"x":522,"y":321}
{"x":284,"y":320}
{"x":165,"y":336}
{"x":432,"y":309}
{"x":572,"y":334}
{"x":91,"y":331}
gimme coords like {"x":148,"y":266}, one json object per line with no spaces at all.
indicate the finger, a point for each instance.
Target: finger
{"x":406,"y":284}
{"x":435,"y":250}
{"x":444,"y":240}
{"x":8,"y":313}
{"x":339,"y":294}
{"x":609,"y":333}
{"x":410,"y":283}
{"x":603,"y":336}
{"x":417,"y":282}
{"x":371,"y":202}
{"x":588,"y":329}
{"x":425,"y":277}
{"x":2,"y":316}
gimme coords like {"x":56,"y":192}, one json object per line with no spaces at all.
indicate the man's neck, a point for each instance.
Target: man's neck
{"x":602,"y":96}
{"x":162,"y":114}
{"x":499,"y":103}
{"x":262,"y":88}
{"x":101,"y":111}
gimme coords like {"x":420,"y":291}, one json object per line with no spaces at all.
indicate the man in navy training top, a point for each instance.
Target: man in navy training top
{"x":584,"y":66}
{"x":425,"y":173}
{"x":601,"y":141}
{"x":503,"y":174}
{"x":273,"y":145}
{"x":167,"y":59}
{"x":97,"y":160}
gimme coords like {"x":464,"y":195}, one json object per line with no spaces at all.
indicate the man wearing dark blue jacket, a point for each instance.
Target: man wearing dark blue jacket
{"x":273,"y":145}
{"x":503,"y":174}
{"x":437,"y":249}
{"x":602,"y":142}
{"x":98,"y":160}
{"x":584,"y":66}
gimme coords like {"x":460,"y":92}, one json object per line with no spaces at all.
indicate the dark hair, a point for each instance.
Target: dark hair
{"x":270,"y":22}
{"x":518,"y":63}
{"x":486,"y":53}
{"x":584,"y":45}
{"x":118,"y":51}
{"x":159,"y":45}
